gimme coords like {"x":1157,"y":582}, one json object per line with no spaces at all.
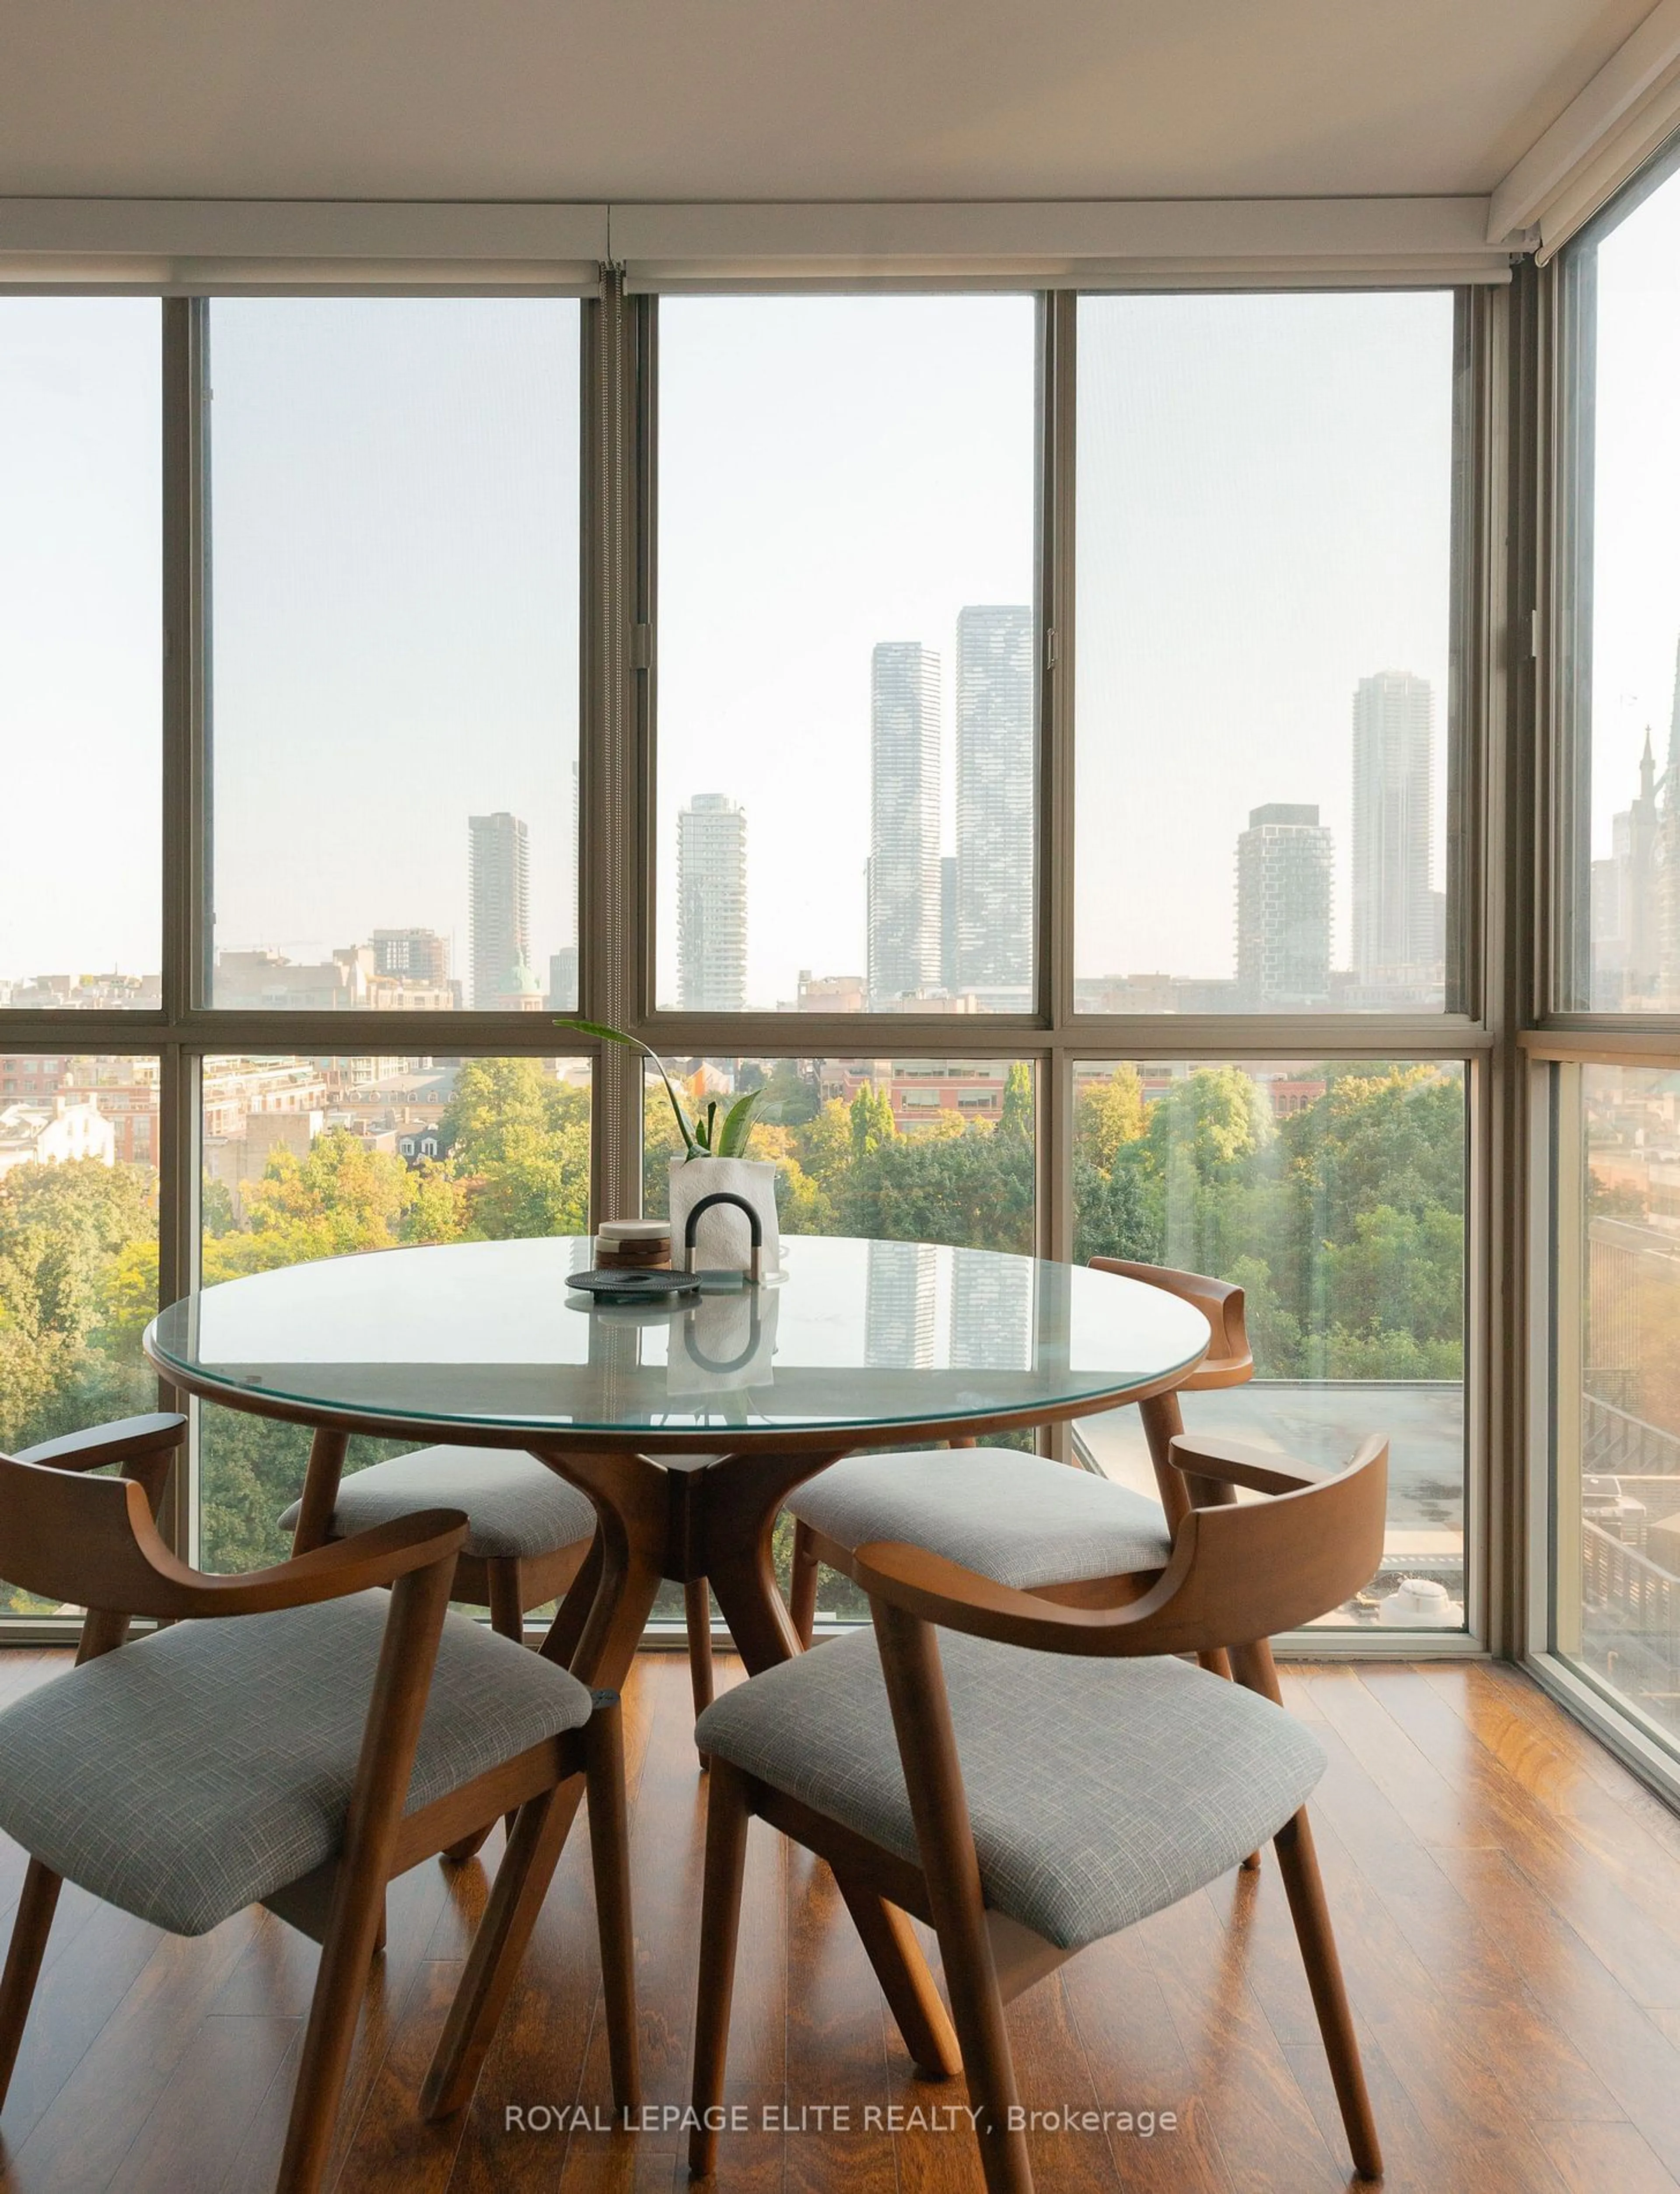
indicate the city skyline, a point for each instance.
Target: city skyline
{"x":429,"y":641}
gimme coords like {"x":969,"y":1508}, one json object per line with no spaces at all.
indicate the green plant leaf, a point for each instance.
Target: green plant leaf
{"x":603,"y":1034}
{"x":737,"y":1125}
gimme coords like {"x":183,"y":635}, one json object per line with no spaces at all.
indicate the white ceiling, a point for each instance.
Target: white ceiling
{"x":785,"y":99}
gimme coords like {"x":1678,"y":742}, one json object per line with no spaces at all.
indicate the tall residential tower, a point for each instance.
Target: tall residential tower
{"x":712,"y":905}
{"x":1395,"y":925}
{"x":1283,"y":863}
{"x":499,"y":886}
{"x":995,"y":748}
{"x":904,"y":891}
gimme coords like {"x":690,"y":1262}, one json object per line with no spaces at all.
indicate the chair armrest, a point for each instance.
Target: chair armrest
{"x":939,"y":1591}
{"x":124,"y":1441}
{"x":367,"y":1558}
{"x":1238,"y":1573}
{"x":1234,"y":1462}
{"x":67,"y":1535}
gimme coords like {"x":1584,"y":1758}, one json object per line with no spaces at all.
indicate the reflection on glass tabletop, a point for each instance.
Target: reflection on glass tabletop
{"x":855,"y":1337}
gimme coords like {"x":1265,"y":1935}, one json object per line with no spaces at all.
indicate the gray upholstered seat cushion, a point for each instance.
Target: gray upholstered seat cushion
{"x":1019,"y":1518}
{"x":1099,"y":1791}
{"x":512,"y":1503}
{"x":198,"y":1771}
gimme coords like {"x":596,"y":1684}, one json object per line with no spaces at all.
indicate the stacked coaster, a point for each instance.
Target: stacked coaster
{"x":633,"y":1244}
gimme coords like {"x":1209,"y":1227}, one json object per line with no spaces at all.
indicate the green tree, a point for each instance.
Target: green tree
{"x":341,"y":1196}
{"x":1015,"y":1121}
{"x":1108,"y":1116}
{"x":519,"y":1145}
{"x":78,"y":1265}
{"x":824,"y":1147}
{"x":872,"y":1121}
{"x":792,"y":1095}
{"x":973,"y":1188}
{"x":1345,"y":1226}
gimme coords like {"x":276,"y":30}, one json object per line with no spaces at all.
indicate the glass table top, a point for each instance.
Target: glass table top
{"x":854,"y":1336}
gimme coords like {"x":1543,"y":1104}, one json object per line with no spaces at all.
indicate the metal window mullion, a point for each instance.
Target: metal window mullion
{"x":186,"y":846}
{"x":1054,"y":878}
{"x":606,"y":778}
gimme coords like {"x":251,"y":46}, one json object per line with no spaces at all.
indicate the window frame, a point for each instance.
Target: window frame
{"x":1560,"y":1037}
{"x":618,"y":874}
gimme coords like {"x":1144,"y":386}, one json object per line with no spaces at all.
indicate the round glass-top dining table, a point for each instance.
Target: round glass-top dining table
{"x":688,"y":1424}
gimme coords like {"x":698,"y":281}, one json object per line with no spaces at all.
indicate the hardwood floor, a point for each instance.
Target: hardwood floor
{"x":1507,"y":1899}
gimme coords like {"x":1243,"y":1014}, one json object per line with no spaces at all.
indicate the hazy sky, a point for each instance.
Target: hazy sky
{"x":1636,"y":541}
{"x":1264,"y":519}
{"x":81,"y":652}
{"x":393,"y":522}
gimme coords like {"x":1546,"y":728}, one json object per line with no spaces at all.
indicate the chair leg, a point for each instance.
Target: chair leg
{"x":802,"y":1586}
{"x":922,"y":1720}
{"x":36,"y":1904}
{"x":507,"y":1619}
{"x":506,"y":1597}
{"x":1311,"y":1915}
{"x":1255,"y":1669}
{"x":609,"y":1859}
{"x":720,"y":1928}
{"x":418,"y":1603}
{"x":698,"y":1612}
{"x":515,"y":1899}
{"x":340,"y":1981}
{"x":912,"y":1994}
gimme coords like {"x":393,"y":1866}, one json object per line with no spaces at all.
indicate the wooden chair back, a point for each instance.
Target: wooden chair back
{"x":93,"y":1541}
{"x":1230,"y":1361}
{"x":1238,"y":1574}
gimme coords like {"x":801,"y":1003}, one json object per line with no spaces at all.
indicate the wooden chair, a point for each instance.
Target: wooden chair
{"x":1021,"y":1521}
{"x":299,"y":1757}
{"x":1026,"y":1806}
{"x":529,"y":1532}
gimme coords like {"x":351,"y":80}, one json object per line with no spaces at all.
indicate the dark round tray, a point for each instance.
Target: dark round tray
{"x":624,"y":1284}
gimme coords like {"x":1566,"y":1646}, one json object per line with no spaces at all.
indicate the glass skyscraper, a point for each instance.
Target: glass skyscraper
{"x":904,"y":898}
{"x":712,"y":905}
{"x":1395,"y":925}
{"x":499,"y":882}
{"x":995,"y":748}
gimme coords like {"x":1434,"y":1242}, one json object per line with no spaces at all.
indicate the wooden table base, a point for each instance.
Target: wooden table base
{"x":711,"y":1521}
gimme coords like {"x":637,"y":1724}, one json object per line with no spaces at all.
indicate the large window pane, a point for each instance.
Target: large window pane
{"x":1622,"y":638}
{"x":78,"y":1248}
{"x":1264,"y":488}
{"x":847,"y":661}
{"x":394,"y":528}
{"x":1617,"y":1523}
{"x":80,"y":659}
{"x":306,"y":1159}
{"x":1334,"y":1195}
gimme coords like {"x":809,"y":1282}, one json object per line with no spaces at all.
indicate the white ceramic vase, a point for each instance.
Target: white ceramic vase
{"x":723,"y":1238}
